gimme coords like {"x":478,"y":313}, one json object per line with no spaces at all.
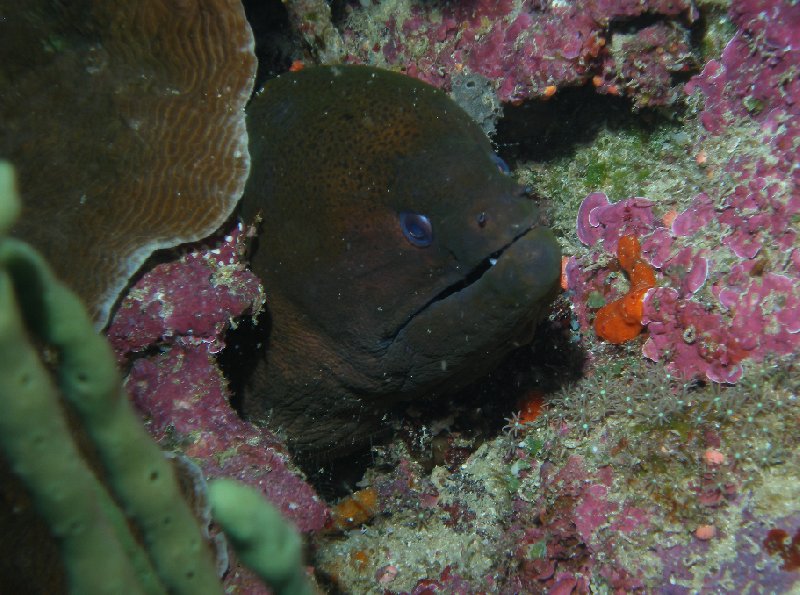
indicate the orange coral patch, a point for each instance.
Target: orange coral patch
{"x":611,"y":325}
{"x":642,"y":276}
{"x":530,"y":406}
{"x":355,"y":510}
{"x":359,"y":559}
{"x":628,"y":251}
{"x":621,"y":320}
{"x":669,"y":217}
{"x":632,"y":306}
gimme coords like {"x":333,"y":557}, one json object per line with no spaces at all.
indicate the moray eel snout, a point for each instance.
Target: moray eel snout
{"x":400,"y":259}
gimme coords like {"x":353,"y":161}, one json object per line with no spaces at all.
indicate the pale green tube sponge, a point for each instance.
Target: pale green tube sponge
{"x":90,"y":516}
{"x":100,"y":554}
{"x":262,"y":538}
{"x":10,"y":206}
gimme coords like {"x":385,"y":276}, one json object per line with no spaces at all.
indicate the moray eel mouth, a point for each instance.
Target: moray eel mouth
{"x":491,"y":309}
{"x":472,"y":276}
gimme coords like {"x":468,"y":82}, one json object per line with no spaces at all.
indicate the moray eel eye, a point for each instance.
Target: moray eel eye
{"x":417,"y":229}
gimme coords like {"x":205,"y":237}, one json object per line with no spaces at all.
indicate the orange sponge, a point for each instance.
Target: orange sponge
{"x":621,"y":320}
{"x":355,"y":510}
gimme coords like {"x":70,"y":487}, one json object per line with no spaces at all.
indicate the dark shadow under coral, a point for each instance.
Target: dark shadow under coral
{"x":475,"y":414}
{"x":275,"y":44}
{"x":543,"y":131}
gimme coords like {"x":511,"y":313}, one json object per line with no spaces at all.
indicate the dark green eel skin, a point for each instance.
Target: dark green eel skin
{"x":399,"y":261}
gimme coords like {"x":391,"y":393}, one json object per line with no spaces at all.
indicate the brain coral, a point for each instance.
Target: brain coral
{"x":125,"y":122}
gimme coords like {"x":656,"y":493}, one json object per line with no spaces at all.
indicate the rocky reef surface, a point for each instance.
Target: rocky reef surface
{"x":667,"y":463}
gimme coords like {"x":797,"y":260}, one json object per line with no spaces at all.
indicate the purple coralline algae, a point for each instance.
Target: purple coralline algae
{"x":168,"y":332}
{"x":729,"y":285}
{"x":559,"y":505}
{"x":756,"y":75}
{"x":644,"y":64}
{"x":734,"y":575}
{"x":529,"y":48}
{"x":563,"y":535}
{"x":189,"y":301}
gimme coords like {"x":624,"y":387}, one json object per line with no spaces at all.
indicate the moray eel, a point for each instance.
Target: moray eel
{"x":400,"y":259}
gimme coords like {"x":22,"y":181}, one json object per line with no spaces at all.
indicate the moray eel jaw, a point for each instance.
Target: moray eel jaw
{"x":453,"y":339}
{"x":496,"y":309}
{"x":471,"y":277}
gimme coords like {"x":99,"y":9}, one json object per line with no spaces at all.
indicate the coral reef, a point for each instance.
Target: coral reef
{"x":670,"y":464}
{"x":729,"y":282}
{"x":647,"y":473}
{"x":151,"y":147}
{"x":169,"y":331}
{"x":311,"y":20}
{"x":652,"y":485}
{"x":642,"y":474}
{"x":529,"y":48}
{"x":668,"y":467}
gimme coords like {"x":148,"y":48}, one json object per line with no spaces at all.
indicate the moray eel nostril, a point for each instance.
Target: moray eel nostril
{"x":399,"y":258}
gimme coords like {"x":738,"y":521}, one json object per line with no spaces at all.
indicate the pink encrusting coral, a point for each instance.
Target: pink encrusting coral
{"x":757,"y":72}
{"x":527,"y":48}
{"x":729,"y":282}
{"x":168,"y":331}
{"x":562,"y":537}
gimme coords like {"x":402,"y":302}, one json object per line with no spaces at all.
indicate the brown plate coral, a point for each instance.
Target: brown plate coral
{"x":126,"y":124}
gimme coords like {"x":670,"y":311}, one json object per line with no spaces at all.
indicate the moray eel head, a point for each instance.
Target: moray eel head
{"x":400,"y":259}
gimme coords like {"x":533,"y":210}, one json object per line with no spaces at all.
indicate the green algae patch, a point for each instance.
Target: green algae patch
{"x":621,"y":162}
